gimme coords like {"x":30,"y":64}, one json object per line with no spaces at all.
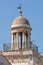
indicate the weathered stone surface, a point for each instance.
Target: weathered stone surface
{"x":4,"y":61}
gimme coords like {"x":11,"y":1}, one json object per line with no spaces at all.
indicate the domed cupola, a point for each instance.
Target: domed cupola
{"x":20,"y":21}
{"x":21,"y":31}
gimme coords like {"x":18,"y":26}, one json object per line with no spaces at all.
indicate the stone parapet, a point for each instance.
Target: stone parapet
{"x":17,"y":53}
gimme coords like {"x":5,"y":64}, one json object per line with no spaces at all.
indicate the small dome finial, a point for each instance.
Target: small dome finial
{"x":20,"y":9}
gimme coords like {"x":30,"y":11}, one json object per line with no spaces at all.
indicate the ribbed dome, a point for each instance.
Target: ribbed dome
{"x":20,"y":20}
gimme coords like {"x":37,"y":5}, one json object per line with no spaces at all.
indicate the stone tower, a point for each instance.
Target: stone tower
{"x":23,"y":51}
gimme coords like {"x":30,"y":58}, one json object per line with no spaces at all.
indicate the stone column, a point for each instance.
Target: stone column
{"x":16,"y":46}
{"x":23,"y":40}
{"x":12,"y":42}
{"x":28,"y":41}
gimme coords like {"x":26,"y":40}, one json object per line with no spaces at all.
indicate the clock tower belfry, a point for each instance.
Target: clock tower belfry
{"x":20,"y":33}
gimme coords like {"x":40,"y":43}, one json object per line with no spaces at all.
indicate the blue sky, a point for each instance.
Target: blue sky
{"x":32,"y":10}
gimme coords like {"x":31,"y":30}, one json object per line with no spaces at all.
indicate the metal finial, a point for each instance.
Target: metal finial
{"x":20,"y":10}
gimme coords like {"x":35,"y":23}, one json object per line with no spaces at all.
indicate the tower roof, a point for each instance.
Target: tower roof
{"x":20,"y":21}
